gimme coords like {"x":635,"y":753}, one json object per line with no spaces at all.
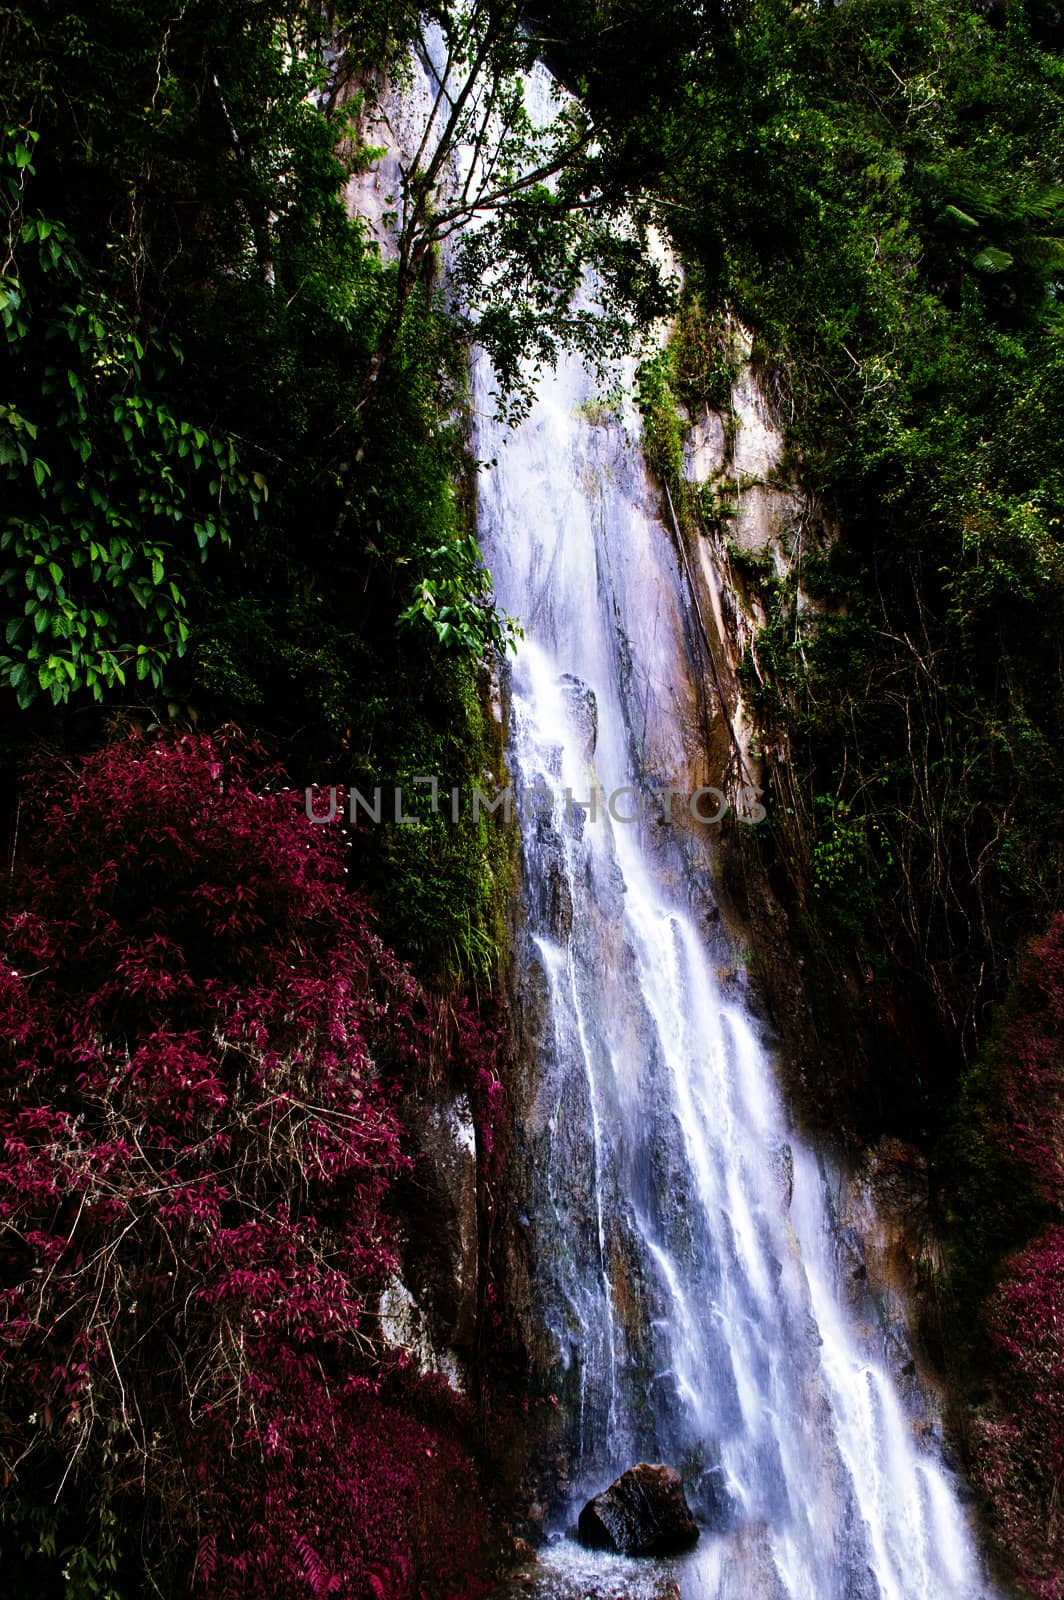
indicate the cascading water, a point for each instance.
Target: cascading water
{"x":683,"y":1239}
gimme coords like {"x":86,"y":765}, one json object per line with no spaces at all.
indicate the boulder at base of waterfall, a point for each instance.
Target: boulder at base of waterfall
{"x":645,"y":1513}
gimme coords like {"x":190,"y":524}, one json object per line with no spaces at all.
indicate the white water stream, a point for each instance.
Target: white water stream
{"x":684,"y":1242}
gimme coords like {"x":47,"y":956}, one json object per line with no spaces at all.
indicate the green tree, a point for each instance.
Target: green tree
{"x":108,"y":494}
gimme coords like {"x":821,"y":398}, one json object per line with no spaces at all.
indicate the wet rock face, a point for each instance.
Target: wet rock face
{"x":645,"y":1513}
{"x":583,"y":708}
{"x":429,"y":1306}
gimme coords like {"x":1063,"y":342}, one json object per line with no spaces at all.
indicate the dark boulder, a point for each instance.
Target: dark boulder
{"x":645,"y":1513}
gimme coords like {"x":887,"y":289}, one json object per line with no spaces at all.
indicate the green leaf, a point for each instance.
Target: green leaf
{"x":992,"y":260}
{"x":960,"y":216}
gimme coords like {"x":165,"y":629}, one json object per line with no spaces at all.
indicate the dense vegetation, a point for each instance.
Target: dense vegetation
{"x":237,"y":494}
{"x":206,"y":1045}
{"x":221,"y":505}
{"x":875,"y":192}
{"x":236,"y":491}
{"x":194,"y":330}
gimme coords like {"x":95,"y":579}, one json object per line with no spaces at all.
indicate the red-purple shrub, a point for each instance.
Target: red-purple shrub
{"x":1020,"y":1449}
{"x":467,"y":1042}
{"x":1031,"y":1053}
{"x":202,"y":1037}
{"x":1019,"y":1440}
{"x":362,"y":1495}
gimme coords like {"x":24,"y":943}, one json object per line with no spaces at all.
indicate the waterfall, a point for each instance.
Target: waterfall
{"x":684,"y":1239}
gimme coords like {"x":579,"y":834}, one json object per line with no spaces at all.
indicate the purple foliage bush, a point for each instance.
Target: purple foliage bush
{"x":1019,"y":1441}
{"x":203,"y":1046}
{"x":1020,"y":1459}
{"x":1032,"y":1054}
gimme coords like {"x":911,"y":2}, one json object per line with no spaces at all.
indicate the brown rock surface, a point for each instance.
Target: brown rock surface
{"x":645,"y":1513}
